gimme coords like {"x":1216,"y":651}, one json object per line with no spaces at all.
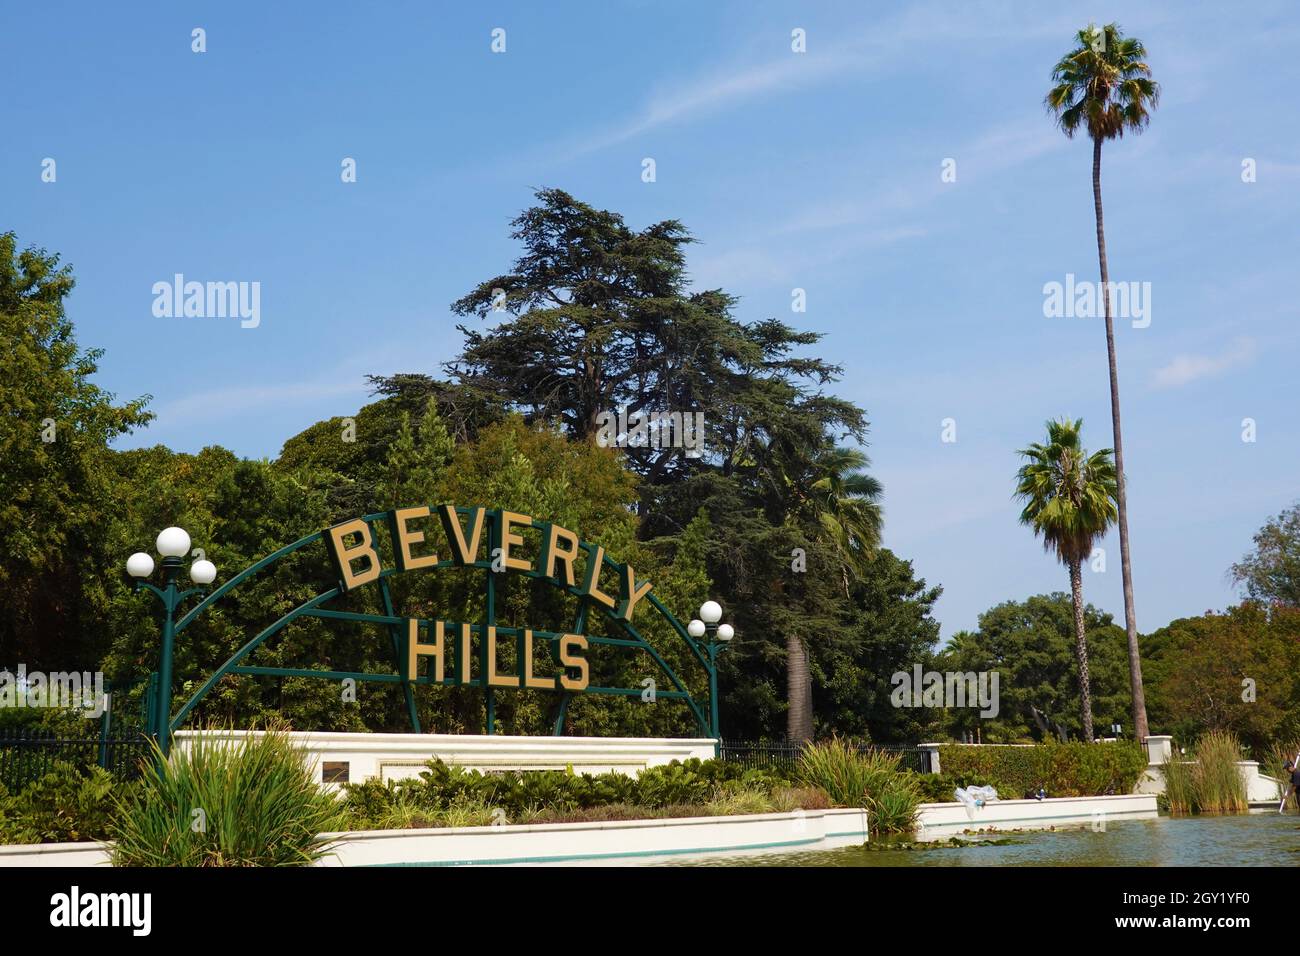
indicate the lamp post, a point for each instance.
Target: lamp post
{"x":172,"y":544}
{"x":719,"y":636}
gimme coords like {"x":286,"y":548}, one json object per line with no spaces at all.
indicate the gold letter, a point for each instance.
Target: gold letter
{"x":509,"y":539}
{"x":493,"y":678}
{"x":539,"y":683}
{"x":567,"y":660}
{"x":552,"y":553}
{"x":344,"y":556}
{"x":415,"y":650}
{"x":466,"y":650}
{"x":404,"y":537}
{"x":629,"y":593}
{"x":591,"y":586}
{"x":462,"y":553}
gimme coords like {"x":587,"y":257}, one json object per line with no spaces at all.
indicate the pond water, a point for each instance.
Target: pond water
{"x":1256,"y":839}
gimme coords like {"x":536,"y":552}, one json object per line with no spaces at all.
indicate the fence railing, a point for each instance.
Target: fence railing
{"x":782,"y":755}
{"x":27,"y":755}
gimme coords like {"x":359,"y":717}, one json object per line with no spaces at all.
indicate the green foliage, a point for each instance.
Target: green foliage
{"x":1103,"y":85}
{"x":1217,"y":783}
{"x":1072,"y":769}
{"x":1068,"y":495}
{"x":1208,"y":780}
{"x":1235,"y":671}
{"x":68,"y":804}
{"x":870,"y":779}
{"x":1180,"y":792}
{"x":443,"y":791}
{"x":221,"y":803}
{"x":1030,"y":644}
{"x":56,"y":487}
{"x":1271,"y":572}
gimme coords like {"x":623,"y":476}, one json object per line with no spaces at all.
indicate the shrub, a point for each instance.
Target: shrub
{"x":221,"y":803}
{"x":1073,"y":769}
{"x":555,"y":794}
{"x":870,"y":779}
{"x":67,"y":804}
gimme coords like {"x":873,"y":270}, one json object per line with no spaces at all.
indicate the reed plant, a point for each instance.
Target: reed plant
{"x":1275,"y":761}
{"x":1178,"y":784}
{"x":1217,"y":783}
{"x":871,"y":779}
{"x":1212,"y":781}
{"x":215,"y":802}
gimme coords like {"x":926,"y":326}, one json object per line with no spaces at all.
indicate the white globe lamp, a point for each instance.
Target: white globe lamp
{"x":173,"y":542}
{"x":203,"y":572}
{"x":139,"y":565}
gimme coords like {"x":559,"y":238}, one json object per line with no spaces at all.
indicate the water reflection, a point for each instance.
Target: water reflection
{"x":1258,"y":839}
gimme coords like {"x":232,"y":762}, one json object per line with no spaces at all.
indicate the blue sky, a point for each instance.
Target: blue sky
{"x":818,"y":171}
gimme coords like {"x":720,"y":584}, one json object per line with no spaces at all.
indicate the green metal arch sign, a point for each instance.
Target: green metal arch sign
{"x":465,"y":653}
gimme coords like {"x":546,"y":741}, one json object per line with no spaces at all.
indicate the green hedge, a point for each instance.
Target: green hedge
{"x":441,"y":787}
{"x":66,"y":805}
{"x":1062,"y":769}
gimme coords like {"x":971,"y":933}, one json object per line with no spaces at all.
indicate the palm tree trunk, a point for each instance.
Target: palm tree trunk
{"x":1081,"y":649}
{"x":798,"y":691}
{"x":1140,"y":730}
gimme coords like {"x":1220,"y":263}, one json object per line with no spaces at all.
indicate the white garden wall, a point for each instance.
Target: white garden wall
{"x":394,"y":756}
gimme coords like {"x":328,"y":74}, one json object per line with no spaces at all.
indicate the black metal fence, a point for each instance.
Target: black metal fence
{"x":782,"y":755}
{"x":27,"y":755}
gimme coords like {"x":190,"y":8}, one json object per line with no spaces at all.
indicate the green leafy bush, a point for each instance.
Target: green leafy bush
{"x":68,"y":804}
{"x":442,"y":790}
{"x":222,"y":803}
{"x":1071,"y":769}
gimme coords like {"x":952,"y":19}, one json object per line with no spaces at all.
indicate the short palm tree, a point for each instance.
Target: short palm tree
{"x":1103,"y":87}
{"x":847,"y":503}
{"x":1069,"y":499}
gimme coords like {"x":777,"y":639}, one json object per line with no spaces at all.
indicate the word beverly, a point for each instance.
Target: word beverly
{"x":60,"y":689}
{"x":352,"y":547}
{"x":1084,"y":300}
{"x":951,"y":689}
{"x":210,"y":300}
{"x":642,"y":429}
{"x":103,"y":909}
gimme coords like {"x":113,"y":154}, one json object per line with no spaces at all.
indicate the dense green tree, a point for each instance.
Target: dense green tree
{"x":891,"y":629}
{"x":1069,"y":499}
{"x":1271,"y":572}
{"x":1031,"y":644}
{"x":1103,"y":87}
{"x":56,"y":494}
{"x":1233,"y":671}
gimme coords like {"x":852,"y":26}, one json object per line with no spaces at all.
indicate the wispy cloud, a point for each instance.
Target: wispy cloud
{"x":870,"y":46}
{"x":1185,"y":369}
{"x":223,"y":404}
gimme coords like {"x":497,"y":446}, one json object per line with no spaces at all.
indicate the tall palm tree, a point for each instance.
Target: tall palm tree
{"x":1104,"y":87}
{"x":837,"y":504}
{"x":1069,"y":499}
